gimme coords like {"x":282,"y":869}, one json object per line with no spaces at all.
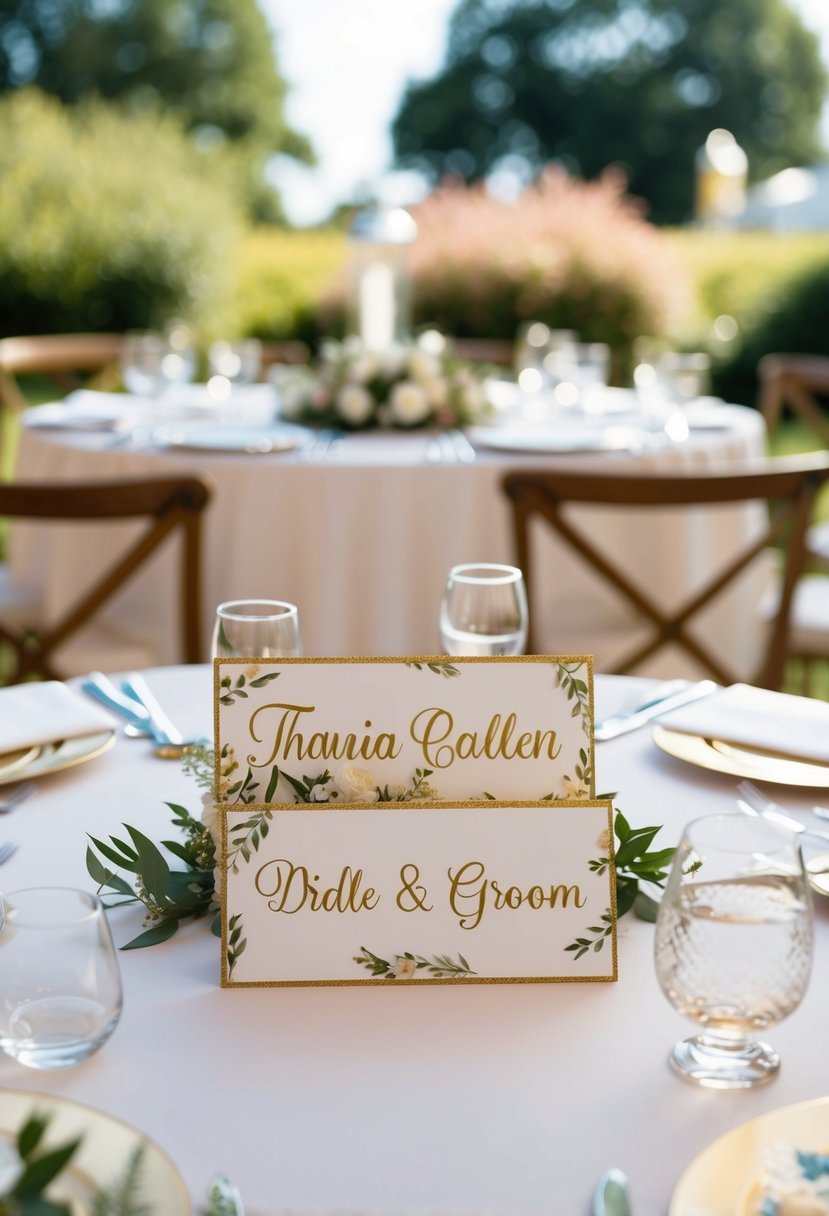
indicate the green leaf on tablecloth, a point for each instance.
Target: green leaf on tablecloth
{"x":114,"y":856}
{"x":151,"y":937}
{"x":154,"y":871}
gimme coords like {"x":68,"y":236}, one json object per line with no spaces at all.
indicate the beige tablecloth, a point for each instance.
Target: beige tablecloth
{"x":499,"y":1098}
{"x":361,"y":538}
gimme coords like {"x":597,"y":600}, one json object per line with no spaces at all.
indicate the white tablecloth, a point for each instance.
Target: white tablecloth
{"x":499,"y":1098}
{"x":361,"y":538}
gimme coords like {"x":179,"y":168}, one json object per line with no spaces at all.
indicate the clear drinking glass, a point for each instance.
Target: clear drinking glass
{"x":484,"y":611}
{"x":733,"y":945}
{"x":236,"y":362}
{"x":256,"y":629}
{"x":60,"y":988}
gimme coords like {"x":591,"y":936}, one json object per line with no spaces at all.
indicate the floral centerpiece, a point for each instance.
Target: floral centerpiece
{"x":404,"y":386}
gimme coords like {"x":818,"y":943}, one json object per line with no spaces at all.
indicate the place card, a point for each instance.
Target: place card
{"x":418,"y":892}
{"x":327,"y":730}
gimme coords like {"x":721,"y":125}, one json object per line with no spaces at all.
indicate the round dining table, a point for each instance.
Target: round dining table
{"x":360,"y":531}
{"x":502,"y":1098}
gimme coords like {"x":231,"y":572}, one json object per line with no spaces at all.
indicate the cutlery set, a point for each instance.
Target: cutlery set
{"x":137,"y":705}
{"x":660,"y":700}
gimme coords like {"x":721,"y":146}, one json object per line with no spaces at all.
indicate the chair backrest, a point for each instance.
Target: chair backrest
{"x":166,"y":503}
{"x":794,"y":381}
{"x":788,"y":486}
{"x":60,"y":357}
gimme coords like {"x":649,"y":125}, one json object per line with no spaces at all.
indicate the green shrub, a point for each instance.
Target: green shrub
{"x":108,"y":221}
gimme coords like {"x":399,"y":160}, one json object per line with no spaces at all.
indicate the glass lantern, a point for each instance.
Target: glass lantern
{"x":380,"y":305}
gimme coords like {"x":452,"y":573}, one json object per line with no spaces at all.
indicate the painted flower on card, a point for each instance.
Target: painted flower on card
{"x":404,"y":968}
{"x":357,"y":784}
{"x":574,"y":787}
{"x":327,"y":791}
{"x":604,"y":840}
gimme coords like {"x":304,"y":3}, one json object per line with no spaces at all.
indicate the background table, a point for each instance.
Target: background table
{"x":503,"y":1098}
{"x":361,"y":538}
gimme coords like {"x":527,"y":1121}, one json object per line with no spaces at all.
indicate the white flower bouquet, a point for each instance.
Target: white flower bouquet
{"x":417,"y":385}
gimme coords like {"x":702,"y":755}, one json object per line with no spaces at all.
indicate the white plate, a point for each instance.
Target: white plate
{"x":720,"y":1181}
{"x":104,"y":1151}
{"x":230,"y":438}
{"x":559,"y":439}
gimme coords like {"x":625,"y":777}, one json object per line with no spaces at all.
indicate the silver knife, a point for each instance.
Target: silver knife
{"x":612,"y":1196}
{"x":785,"y":821}
{"x":620,"y":724}
{"x":136,"y":687}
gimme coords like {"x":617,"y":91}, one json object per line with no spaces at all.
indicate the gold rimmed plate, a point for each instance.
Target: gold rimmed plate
{"x":725,"y":1179}
{"x":737,"y":761}
{"x":104,"y":1153}
{"x":11,"y":761}
{"x":63,"y":753}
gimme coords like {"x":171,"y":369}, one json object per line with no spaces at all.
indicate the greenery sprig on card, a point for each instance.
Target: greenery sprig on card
{"x":635,"y":864}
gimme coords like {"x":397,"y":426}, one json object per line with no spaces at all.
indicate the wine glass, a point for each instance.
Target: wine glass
{"x":733,"y":945}
{"x":60,"y":989}
{"x":256,"y":629}
{"x":484,"y":611}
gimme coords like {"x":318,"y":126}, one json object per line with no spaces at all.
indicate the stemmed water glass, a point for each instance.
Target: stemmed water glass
{"x":484,"y":611}
{"x":260,"y":629}
{"x":733,"y":945}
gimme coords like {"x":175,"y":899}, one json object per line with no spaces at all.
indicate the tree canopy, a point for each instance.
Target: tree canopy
{"x":633,"y":83}
{"x":211,"y":62}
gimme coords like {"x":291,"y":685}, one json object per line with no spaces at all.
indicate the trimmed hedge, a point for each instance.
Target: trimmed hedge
{"x":108,"y":221}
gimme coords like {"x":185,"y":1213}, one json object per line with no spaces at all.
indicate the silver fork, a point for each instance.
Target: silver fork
{"x":16,"y":797}
{"x":757,"y":801}
{"x":7,"y":849}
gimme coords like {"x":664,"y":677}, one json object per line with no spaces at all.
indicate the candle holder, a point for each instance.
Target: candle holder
{"x":380,"y":303}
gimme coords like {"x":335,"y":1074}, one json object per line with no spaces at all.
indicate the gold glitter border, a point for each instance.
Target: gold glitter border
{"x":438,"y":805}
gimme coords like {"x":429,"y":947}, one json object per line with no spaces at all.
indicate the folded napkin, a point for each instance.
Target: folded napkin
{"x":44,"y":713}
{"x":773,"y":722}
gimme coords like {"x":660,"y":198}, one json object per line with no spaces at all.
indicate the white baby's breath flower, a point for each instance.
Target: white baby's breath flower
{"x":409,"y":404}
{"x":355,"y":404}
{"x":357,"y":784}
{"x":404,"y":968}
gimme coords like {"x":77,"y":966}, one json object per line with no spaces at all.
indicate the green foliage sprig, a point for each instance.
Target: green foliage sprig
{"x":39,"y":1168}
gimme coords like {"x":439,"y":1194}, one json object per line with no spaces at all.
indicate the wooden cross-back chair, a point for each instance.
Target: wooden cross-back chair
{"x":65,"y":359}
{"x":788,"y":485}
{"x":796,"y":381}
{"x":167,"y":504}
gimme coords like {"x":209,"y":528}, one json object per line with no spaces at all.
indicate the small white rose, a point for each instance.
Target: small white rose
{"x":404,"y":968}
{"x":422,"y":367}
{"x":211,"y":819}
{"x":357,"y":784}
{"x":362,"y":369}
{"x":355,"y":404}
{"x":409,"y":404}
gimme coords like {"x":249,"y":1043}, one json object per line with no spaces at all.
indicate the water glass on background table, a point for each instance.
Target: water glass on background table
{"x":262,"y":629}
{"x":484,"y":611}
{"x":60,"y":988}
{"x":733,"y":945}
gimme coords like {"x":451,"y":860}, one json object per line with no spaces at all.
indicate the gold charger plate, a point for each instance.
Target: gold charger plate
{"x":10,"y":761}
{"x":64,"y":753}
{"x":104,"y":1151}
{"x":740,"y":761}
{"x":723,"y":1179}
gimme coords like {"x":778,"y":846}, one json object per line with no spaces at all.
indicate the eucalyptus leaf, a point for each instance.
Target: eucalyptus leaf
{"x":154,"y":870}
{"x":151,"y":937}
